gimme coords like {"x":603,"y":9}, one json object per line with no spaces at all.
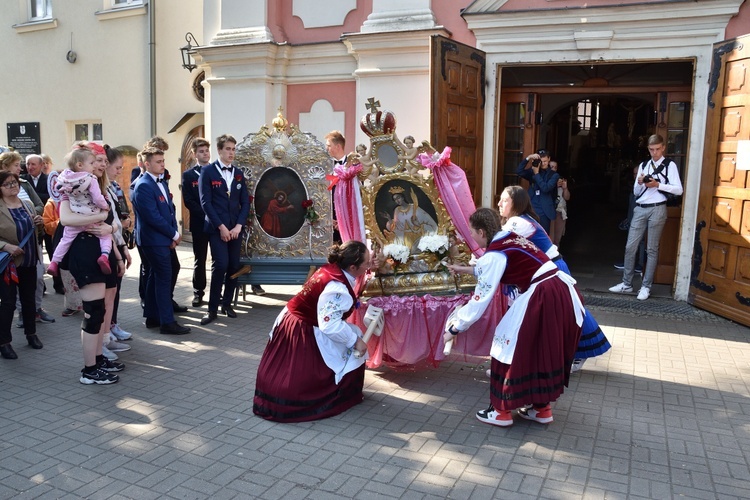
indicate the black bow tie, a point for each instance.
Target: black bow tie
{"x":160,"y":179}
{"x":339,"y":162}
{"x":226,"y":168}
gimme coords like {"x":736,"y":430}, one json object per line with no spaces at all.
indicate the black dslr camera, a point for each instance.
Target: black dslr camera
{"x":536,"y":163}
{"x":648,"y":178}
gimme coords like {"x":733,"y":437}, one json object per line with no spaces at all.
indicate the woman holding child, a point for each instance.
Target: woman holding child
{"x":97,"y":288}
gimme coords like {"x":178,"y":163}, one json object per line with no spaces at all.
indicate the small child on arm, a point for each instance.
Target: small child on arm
{"x":80,"y":186}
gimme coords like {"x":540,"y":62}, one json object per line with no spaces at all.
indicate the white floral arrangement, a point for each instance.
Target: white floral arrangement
{"x":397,"y":252}
{"x":435,"y":243}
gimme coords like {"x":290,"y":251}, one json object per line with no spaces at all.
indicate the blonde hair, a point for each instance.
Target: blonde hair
{"x":78,"y":155}
{"x":8,"y":158}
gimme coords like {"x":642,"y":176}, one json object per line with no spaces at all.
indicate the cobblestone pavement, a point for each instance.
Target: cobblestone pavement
{"x":664,"y":414}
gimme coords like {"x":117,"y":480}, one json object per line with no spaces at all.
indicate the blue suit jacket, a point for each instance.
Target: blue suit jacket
{"x":154,"y":214}
{"x":220,"y":205}
{"x":192,"y":198}
{"x":542,"y":190}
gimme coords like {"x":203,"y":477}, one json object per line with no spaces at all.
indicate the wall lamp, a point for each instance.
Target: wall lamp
{"x":187,"y":52}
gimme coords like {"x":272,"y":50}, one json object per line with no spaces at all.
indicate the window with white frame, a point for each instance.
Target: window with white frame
{"x":87,"y":131}
{"x":40,"y":9}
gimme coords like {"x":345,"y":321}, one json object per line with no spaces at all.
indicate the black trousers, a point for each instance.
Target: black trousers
{"x":27,"y":289}
{"x":200,"y":253}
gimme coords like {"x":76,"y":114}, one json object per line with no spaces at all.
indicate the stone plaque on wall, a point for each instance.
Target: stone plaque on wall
{"x":25,"y":138}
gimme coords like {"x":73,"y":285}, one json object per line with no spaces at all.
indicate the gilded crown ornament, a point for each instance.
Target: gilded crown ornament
{"x":396,"y":190}
{"x":377,"y":122}
{"x":280,"y":123}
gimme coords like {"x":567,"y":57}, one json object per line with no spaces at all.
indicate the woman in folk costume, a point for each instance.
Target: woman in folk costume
{"x":536,"y":339}
{"x":309,"y":369}
{"x":518,"y":216}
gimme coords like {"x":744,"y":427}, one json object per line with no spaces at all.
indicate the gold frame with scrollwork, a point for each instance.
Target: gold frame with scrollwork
{"x":307,"y":158}
{"x":422,"y":272}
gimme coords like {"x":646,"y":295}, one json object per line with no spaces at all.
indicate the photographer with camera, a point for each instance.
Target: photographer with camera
{"x":543,"y":185}
{"x":655,"y":177}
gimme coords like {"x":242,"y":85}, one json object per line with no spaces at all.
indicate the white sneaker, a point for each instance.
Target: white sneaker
{"x":644,"y":293}
{"x":119,"y":333}
{"x":621,"y":288}
{"x":115,"y":346}
{"x":577,"y":365}
{"x":108,"y":354}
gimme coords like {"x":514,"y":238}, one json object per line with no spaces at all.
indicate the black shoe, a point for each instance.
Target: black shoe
{"x":208,"y":317}
{"x":34,"y":341}
{"x":110,"y":366}
{"x":143,"y":304}
{"x":152,"y":323}
{"x":228,"y":311}
{"x":197,"y":301}
{"x":178,"y":308}
{"x":98,"y":376}
{"x":174,"y":328}
{"x":7,"y":352}
{"x":258,"y":290}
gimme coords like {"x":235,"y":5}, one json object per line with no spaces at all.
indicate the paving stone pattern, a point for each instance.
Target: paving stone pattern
{"x":664,"y":414}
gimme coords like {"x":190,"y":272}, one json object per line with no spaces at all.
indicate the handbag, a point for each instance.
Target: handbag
{"x":5,"y":256}
{"x":127,"y":235}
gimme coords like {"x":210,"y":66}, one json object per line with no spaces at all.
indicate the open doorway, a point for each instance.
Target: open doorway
{"x":596,"y":121}
{"x":597,"y":140}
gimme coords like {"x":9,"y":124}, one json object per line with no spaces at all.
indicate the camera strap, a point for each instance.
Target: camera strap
{"x":656,"y":172}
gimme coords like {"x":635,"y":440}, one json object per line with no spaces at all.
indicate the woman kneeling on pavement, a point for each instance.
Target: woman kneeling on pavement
{"x":309,"y":369}
{"x":536,"y":339}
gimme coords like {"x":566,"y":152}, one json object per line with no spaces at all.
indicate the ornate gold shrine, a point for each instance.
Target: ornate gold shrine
{"x":403,"y":214}
{"x":286,"y":170}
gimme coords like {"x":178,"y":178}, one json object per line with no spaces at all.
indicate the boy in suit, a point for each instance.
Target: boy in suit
{"x":156,"y":235}
{"x":191,"y":196}
{"x":224,"y":199}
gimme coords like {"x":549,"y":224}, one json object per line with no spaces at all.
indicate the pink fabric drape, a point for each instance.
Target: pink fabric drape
{"x":348,"y":202}
{"x":414,"y":326}
{"x":453,"y":188}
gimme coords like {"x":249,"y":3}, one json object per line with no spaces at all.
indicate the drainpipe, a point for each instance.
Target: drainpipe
{"x":152,"y":64}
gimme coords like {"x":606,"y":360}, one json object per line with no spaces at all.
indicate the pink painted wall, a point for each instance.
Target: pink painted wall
{"x":341,"y":95}
{"x":448,"y":13}
{"x":739,"y":24}
{"x":287,"y":28}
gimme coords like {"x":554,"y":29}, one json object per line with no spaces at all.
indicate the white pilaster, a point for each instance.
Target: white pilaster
{"x":399,"y":15}
{"x":394,"y":69}
{"x":236,"y":21}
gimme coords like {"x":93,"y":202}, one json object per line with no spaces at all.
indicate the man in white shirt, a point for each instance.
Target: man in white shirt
{"x":655,"y":177}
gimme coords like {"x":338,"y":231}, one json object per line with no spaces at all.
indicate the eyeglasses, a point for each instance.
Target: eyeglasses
{"x":10,"y":184}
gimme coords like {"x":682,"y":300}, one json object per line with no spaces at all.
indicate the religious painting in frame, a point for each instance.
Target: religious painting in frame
{"x":290,"y":204}
{"x":278,"y":200}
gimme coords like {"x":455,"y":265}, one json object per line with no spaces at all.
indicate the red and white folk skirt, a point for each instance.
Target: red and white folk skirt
{"x":294,"y":384}
{"x":545,"y":349}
